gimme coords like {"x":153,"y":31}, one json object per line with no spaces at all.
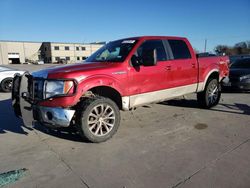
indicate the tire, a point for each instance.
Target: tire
{"x":6,"y":84}
{"x":97,"y":119}
{"x":211,"y":95}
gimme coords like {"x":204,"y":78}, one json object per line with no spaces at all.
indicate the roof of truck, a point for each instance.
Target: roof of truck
{"x":154,"y":37}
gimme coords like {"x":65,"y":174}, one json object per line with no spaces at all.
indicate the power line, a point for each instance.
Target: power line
{"x":219,"y":37}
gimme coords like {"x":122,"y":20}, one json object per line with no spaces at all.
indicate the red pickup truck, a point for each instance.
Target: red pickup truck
{"x":121,"y":75}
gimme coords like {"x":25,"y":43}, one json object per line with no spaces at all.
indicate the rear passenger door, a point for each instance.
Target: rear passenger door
{"x":183,"y":70}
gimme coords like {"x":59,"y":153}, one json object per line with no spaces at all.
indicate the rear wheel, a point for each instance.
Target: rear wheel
{"x":6,"y":84}
{"x":97,"y":119}
{"x":211,"y":95}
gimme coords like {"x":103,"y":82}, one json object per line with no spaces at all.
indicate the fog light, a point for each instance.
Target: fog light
{"x":49,"y":115}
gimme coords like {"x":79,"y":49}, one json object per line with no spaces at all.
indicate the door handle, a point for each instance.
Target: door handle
{"x":168,"y":67}
{"x":193,"y":65}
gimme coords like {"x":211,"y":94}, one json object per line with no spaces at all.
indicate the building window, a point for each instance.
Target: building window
{"x":83,"y":48}
{"x":83,"y":58}
{"x":77,"y":48}
{"x":67,"y":58}
{"x":66,"y":47}
{"x":78,"y":58}
{"x":57,"y":58}
{"x":45,"y":49}
{"x":56,"y":47}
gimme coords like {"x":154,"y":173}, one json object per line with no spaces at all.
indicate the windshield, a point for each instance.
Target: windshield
{"x":115,"y":51}
{"x":241,"y":64}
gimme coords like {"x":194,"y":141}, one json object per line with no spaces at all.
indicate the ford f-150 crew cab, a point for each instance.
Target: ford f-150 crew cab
{"x":122,"y":75}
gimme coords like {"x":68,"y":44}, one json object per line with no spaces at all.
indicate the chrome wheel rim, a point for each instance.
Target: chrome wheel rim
{"x":213,"y":93}
{"x":101,"y":120}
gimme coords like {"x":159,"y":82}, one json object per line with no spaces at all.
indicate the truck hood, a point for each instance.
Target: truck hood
{"x":66,"y":71}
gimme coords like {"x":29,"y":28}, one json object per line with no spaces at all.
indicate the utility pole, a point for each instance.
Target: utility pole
{"x":205,"y":48}
{"x":24,"y":54}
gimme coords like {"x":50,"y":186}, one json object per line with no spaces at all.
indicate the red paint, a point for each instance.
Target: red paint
{"x":166,"y":74}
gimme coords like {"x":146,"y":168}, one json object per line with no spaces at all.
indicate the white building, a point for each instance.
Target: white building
{"x":18,"y":52}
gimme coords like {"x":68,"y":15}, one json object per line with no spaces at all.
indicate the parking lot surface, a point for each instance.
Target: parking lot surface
{"x":170,"y":144}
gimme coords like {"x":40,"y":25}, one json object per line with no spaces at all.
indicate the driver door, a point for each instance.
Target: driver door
{"x":145,"y":81}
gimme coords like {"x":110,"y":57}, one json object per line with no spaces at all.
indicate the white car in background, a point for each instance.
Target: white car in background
{"x":6,"y":77}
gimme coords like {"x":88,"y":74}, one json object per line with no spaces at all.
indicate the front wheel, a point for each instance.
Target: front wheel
{"x":6,"y":84}
{"x":97,"y":119}
{"x":211,"y":95}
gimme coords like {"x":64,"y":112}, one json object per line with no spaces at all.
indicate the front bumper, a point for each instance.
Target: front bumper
{"x":236,"y":86}
{"x":28,"y":110}
{"x":53,"y":117}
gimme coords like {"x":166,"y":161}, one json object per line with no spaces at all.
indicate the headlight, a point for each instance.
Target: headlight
{"x":245,"y":77}
{"x":58,"y":87}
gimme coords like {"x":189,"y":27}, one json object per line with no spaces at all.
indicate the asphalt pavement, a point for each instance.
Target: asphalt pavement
{"x":171,"y":144}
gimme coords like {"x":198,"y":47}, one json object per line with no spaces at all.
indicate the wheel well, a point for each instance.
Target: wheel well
{"x":10,"y":78}
{"x":108,"y":92}
{"x":214,"y":75}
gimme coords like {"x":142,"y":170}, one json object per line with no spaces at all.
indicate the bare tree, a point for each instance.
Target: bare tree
{"x":238,"y":49}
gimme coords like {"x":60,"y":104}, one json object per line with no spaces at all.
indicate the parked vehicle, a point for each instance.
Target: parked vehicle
{"x":6,"y":77}
{"x":62,"y":61}
{"x":239,"y":76}
{"x":122,"y":75}
{"x":40,"y":62}
{"x":234,"y":58}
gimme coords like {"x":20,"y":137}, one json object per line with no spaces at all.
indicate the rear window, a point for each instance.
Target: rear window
{"x":179,"y":49}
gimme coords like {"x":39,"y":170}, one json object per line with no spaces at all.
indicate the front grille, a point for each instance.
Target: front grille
{"x":35,"y":88}
{"x":38,"y":89}
{"x":15,"y":86}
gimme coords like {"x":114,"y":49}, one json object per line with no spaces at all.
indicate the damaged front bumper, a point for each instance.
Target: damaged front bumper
{"x":53,"y":117}
{"x":30,"y":112}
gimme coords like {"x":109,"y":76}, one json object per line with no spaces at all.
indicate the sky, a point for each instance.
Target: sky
{"x":219,"y":21}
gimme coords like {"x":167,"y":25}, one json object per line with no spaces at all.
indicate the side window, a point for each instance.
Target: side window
{"x":154,"y":44}
{"x":179,"y":49}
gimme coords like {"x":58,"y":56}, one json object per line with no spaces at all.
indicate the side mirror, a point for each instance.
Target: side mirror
{"x":135,"y":61}
{"x":149,"y":57}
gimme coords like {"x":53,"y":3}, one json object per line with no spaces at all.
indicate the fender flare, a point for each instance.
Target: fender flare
{"x":100,"y":80}
{"x":206,"y":78}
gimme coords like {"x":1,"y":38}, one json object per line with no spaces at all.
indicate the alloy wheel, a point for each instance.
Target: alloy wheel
{"x":101,"y":119}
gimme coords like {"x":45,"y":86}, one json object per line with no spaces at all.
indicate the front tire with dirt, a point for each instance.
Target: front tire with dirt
{"x":97,"y":119}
